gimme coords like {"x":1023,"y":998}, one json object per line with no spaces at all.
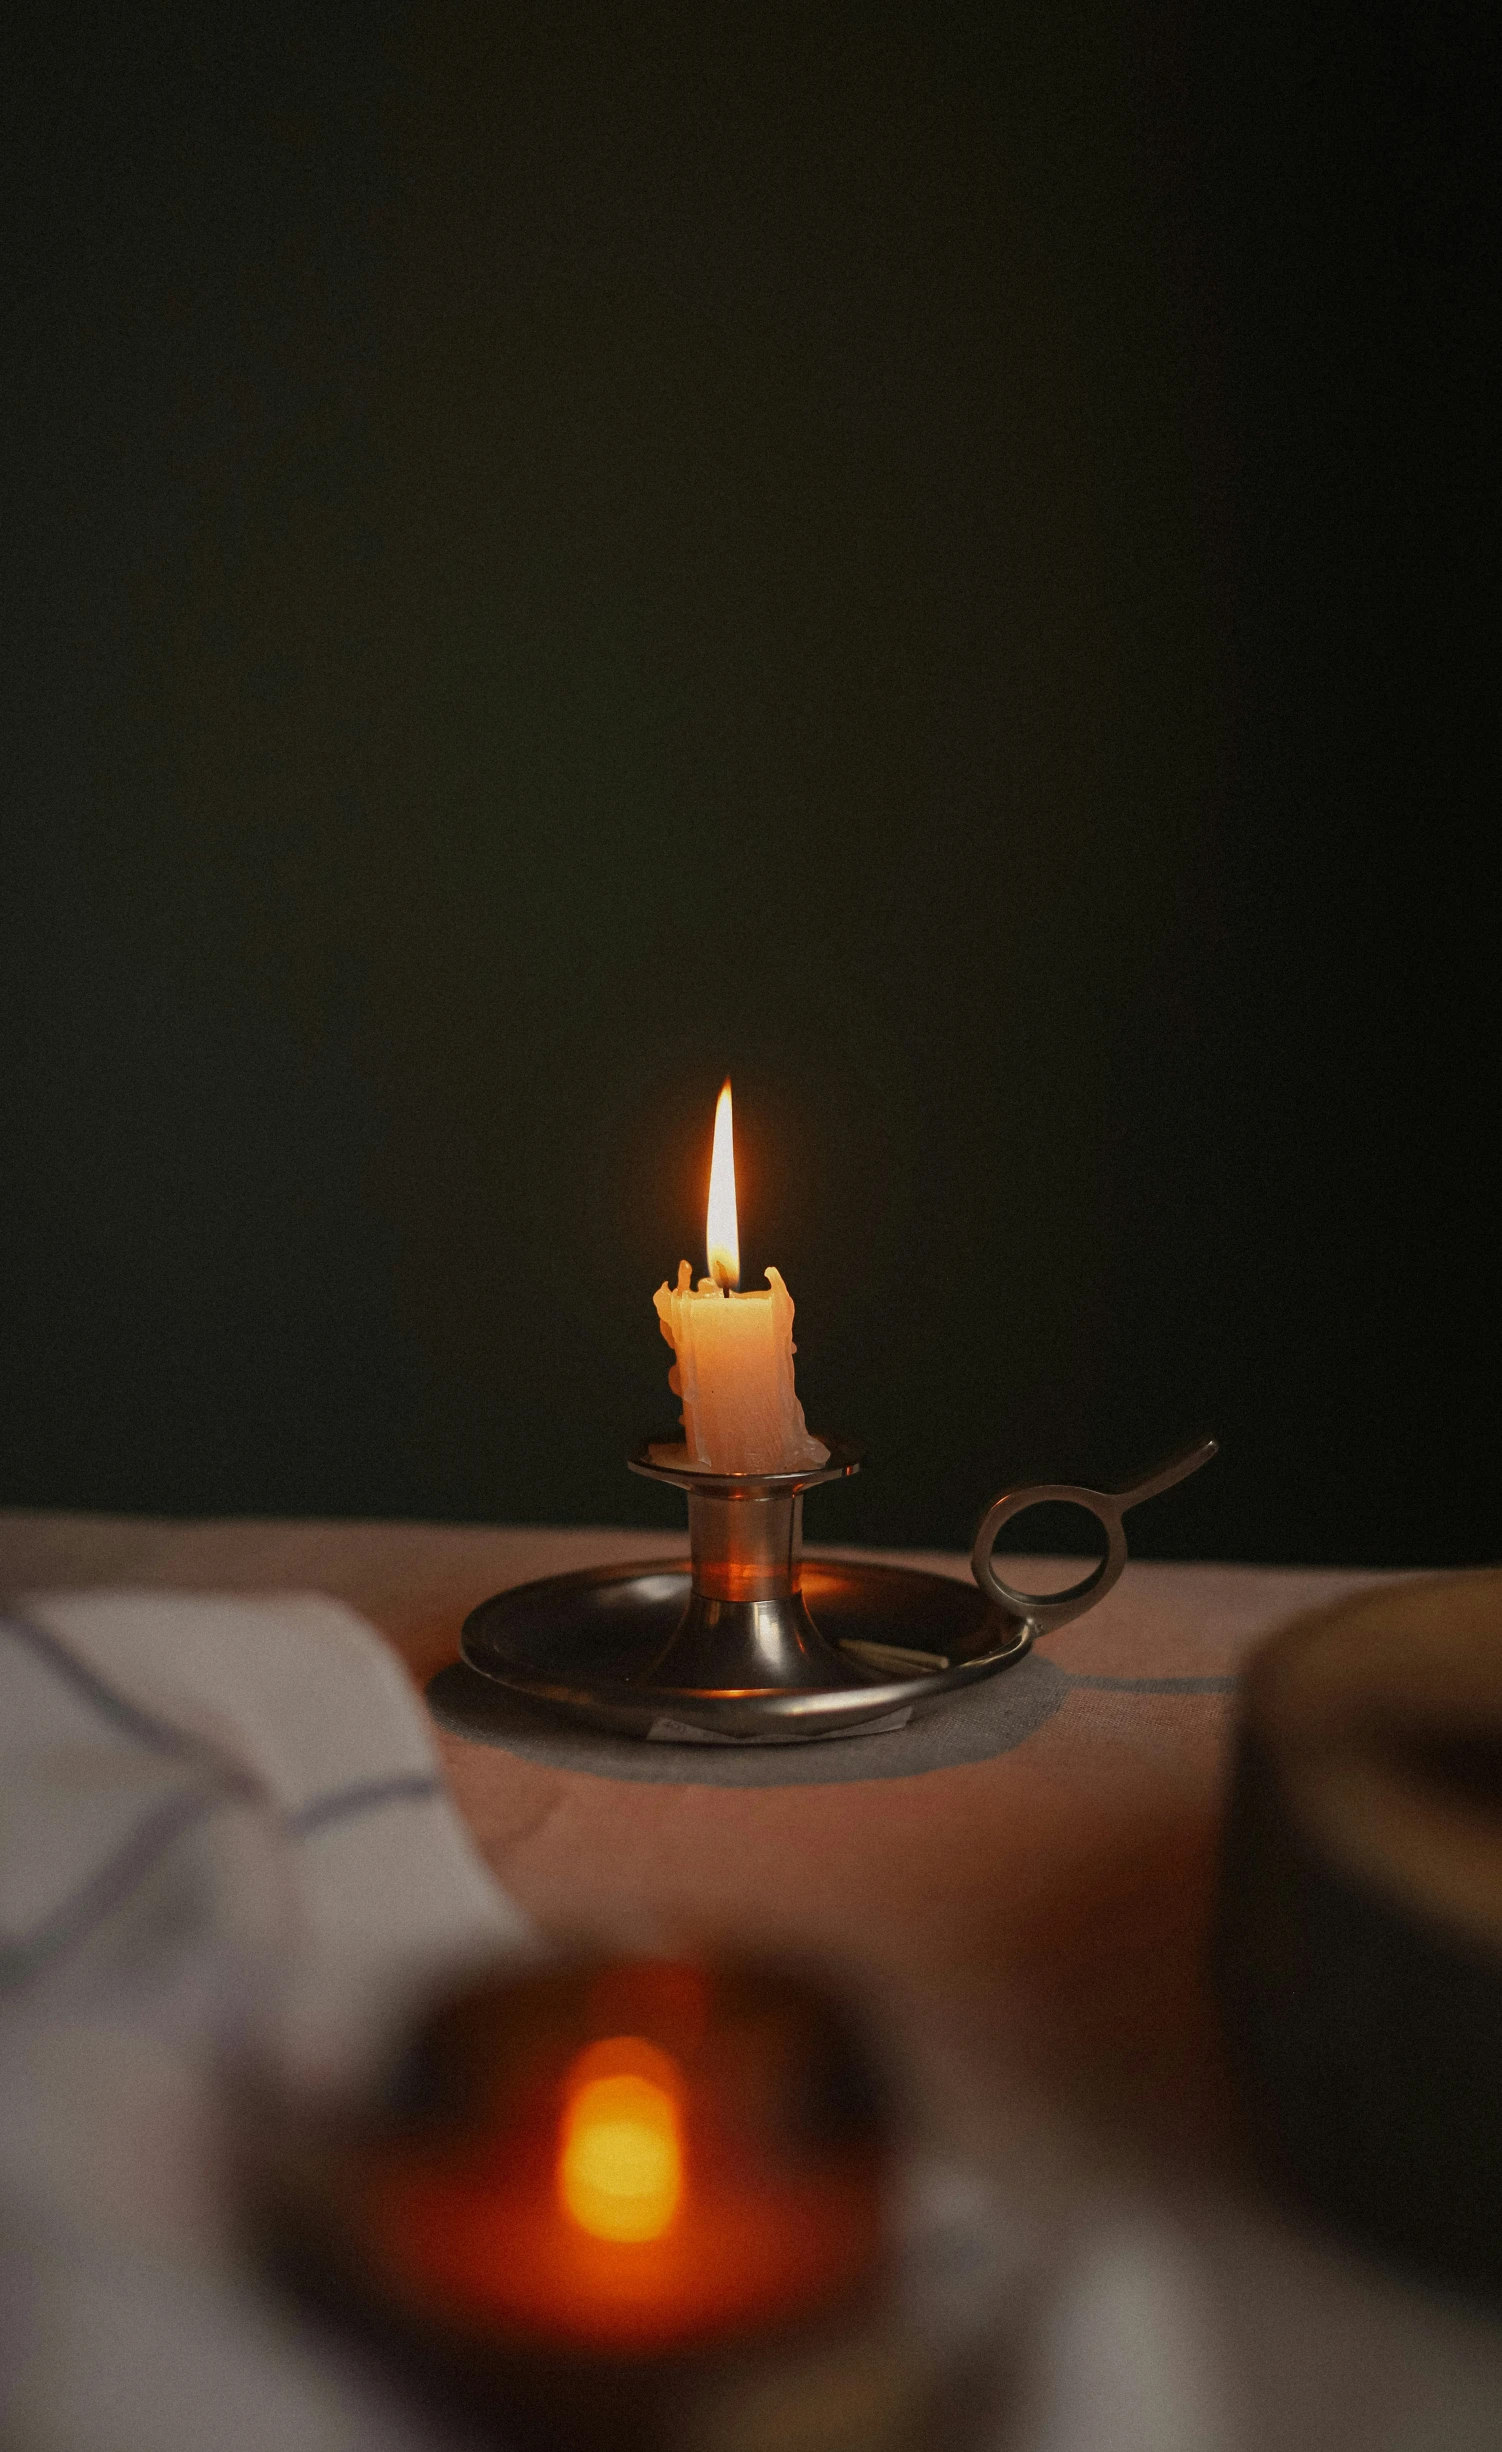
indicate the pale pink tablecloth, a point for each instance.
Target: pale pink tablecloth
{"x":1029,"y":1925}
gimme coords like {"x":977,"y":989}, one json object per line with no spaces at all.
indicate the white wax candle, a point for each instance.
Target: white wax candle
{"x":734,"y":1366}
{"x":734,"y":1373}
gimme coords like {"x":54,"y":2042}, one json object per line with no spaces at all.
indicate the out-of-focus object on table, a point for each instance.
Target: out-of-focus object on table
{"x":643,"y":2202}
{"x":1360,"y":1936}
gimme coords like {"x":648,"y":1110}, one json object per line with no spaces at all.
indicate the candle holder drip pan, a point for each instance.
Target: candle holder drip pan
{"x":748,"y":1643}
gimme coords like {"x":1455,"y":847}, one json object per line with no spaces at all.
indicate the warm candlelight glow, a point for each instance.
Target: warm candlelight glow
{"x":620,"y":2164}
{"x":611,"y":2194}
{"x":722,"y":1232}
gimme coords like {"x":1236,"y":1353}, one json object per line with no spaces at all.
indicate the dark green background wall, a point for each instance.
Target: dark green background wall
{"x":938,"y":560}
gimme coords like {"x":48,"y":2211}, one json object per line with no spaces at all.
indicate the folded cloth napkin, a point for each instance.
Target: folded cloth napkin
{"x":222,"y":1833}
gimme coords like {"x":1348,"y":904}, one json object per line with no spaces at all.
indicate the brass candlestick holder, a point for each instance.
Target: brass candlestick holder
{"x":749,"y":1644}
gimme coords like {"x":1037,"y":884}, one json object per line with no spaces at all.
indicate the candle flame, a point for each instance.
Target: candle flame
{"x":620,"y":2163}
{"x":721,"y":1232}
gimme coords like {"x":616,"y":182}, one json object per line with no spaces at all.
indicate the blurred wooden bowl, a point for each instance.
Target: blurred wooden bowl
{"x":1359,"y":1943}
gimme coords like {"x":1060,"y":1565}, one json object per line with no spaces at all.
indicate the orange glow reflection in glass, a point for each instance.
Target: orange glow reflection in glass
{"x":620,"y":2162}
{"x":721,"y":1233}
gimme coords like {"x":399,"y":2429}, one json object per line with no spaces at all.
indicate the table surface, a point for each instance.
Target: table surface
{"x":1027,"y":1918}
{"x":1036,"y":1918}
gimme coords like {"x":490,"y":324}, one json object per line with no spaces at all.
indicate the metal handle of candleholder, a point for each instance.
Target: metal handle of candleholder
{"x":1045,"y":1611}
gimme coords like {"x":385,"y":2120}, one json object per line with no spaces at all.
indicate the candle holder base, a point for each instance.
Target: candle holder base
{"x":748,"y":1643}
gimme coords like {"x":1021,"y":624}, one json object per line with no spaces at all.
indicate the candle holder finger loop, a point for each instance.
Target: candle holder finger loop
{"x":1046,"y":1611}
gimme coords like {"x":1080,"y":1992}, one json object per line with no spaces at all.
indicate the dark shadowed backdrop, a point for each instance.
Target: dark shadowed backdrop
{"x":940,"y":560}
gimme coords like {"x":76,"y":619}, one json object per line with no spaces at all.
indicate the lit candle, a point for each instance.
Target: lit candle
{"x":635,"y":2221}
{"x":733,"y":1366}
{"x":586,"y":2173}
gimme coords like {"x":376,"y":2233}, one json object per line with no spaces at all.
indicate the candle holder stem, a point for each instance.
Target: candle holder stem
{"x":746,"y":1550}
{"x":746,"y":1628}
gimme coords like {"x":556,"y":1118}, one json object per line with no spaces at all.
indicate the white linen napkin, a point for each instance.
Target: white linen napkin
{"x":223,"y":1831}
